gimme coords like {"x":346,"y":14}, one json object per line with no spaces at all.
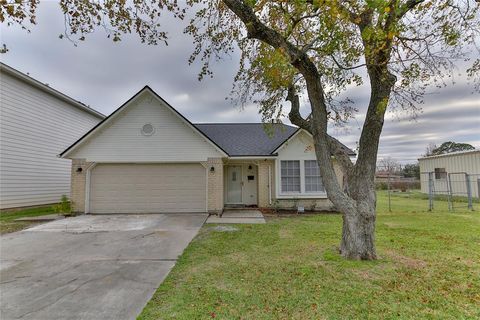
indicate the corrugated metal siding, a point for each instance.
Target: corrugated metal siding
{"x":121,"y":140}
{"x":34,"y":128}
{"x":455,"y":163}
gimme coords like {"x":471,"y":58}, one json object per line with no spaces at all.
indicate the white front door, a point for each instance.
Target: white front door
{"x":234,"y":184}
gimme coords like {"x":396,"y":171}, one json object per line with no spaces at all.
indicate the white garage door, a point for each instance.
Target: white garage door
{"x":147,"y":188}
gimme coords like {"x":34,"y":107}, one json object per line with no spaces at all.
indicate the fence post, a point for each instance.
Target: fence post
{"x":469,"y":191}
{"x":389,"y":200}
{"x":430,"y":191}
{"x":449,"y":191}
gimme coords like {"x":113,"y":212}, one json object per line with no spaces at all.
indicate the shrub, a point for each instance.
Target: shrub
{"x":63,"y":206}
{"x":402,"y":185}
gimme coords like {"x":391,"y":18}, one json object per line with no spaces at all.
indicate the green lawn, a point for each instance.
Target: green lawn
{"x":289,"y":268}
{"x":7,"y":223}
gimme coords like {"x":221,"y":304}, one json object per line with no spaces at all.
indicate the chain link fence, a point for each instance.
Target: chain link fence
{"x":460,"y":189}
{"x":439,"y":189}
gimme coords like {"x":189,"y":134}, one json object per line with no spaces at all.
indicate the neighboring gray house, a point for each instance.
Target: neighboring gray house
{"x":448,"y":172}
{"x":36,"y":124}
{"x":148,"y":158}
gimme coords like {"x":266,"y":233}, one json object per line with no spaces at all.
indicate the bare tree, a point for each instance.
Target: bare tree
{"x":313,"y":48}
{"x":429,"y":149}
{"x":388,"y":164}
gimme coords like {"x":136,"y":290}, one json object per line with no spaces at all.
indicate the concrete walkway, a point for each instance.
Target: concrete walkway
{"x":238,"y":216}
{"x":90,"y":267}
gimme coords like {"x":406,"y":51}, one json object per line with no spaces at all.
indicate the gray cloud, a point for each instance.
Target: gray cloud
{"x":104,"y":74}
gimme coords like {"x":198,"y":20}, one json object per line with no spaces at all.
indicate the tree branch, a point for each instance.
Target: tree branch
{"x":409,"y":5}
{"x":338,"y":151}
{"x":319,"y":117}
{"x":336,"y":148}
{"x":294,"y":114}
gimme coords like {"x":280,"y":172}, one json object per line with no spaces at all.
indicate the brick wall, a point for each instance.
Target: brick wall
{"x":264,"y":183}
{"x":308,"y":204}
{"x":215,"y":185}
{"x":77,"y":188}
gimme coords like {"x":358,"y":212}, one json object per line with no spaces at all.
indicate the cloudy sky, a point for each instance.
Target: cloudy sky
{"x":104,"y":74}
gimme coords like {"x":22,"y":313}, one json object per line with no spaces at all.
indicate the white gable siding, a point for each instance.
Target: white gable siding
{"x":35,"y":127}
{"x":120,"y":138}
{"x":301,"y":148}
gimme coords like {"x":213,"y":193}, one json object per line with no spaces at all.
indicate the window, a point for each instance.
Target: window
{"x":290,"y":175}
{"x":440,"y":173}
{"x":313,"y":181}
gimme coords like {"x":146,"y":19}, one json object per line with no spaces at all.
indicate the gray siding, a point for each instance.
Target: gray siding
{"x":35,"y":127}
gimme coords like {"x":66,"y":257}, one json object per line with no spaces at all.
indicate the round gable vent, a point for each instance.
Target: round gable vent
{"x":148,"y":129}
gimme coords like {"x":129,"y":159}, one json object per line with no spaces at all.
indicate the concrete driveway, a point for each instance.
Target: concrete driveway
{"x":90,"y":267}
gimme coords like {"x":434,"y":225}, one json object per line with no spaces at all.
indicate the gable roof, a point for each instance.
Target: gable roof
{"x":231,"y":139}
{"x":247,"y":139}
{"x":39,"y":85}
{"x":114,"y":113}
{"x":344,"y":148}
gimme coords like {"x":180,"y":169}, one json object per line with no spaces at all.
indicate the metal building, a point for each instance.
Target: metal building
{"x":456,"y":172}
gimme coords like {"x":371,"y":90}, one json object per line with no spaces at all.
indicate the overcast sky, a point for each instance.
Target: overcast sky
{"x":104,"y":74}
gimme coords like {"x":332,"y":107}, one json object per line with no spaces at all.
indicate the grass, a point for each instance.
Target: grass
{"x":7,"y":223}
{"x":289,"y":268}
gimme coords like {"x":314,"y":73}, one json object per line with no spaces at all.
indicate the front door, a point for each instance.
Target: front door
{"x":234,"y":184}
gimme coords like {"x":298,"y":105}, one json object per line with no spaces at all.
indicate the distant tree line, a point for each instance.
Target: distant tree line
{"x":412,"y":170}
{"x":447,"y":147}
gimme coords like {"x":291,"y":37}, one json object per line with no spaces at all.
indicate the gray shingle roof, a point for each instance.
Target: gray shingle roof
{"x":248,"y":139}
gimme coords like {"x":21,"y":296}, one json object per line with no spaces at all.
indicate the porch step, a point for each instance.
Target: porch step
{"x":238,"y":216}
{"x":239,"y":207}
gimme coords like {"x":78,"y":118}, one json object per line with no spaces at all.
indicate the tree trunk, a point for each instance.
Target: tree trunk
{"x":358,"y":233}
{"x":358,"y":203}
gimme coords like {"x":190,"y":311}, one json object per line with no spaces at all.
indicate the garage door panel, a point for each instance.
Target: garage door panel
{"x":147,"y":188}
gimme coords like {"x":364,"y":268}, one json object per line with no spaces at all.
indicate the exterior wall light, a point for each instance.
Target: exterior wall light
{"x":79,"y":169}
{"x":212,"y":169}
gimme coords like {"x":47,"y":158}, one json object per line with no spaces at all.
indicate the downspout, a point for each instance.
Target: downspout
{"x":269,"y":185}
{"x":87,"y":187}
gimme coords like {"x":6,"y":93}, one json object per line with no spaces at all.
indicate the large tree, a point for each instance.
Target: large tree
{"x":315,"y":48}
{"x":448,"y":147}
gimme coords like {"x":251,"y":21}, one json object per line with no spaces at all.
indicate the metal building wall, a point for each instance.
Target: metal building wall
{"x":455,"y":164}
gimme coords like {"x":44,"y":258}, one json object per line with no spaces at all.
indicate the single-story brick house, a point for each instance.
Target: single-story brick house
{"x":148,"y":158}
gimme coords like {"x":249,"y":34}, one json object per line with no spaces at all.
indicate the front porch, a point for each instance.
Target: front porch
{"x":238,"y":216}
{"x":240,"y":184}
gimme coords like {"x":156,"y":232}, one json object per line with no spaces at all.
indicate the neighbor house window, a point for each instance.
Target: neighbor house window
{"x":290,"y":175}
{"x":313,"y":181}
{"x":440,"y":173}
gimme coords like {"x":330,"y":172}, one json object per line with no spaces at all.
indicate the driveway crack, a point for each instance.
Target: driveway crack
{"x":67,"y":294}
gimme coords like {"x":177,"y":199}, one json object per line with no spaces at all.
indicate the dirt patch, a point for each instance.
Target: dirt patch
{"x":366,"y":274}
{"x":392,"y":224}
{"x":224,"y":229}
{"x":294,"y":214}
{"x":406,"y":261}
{"x":285,"y":233}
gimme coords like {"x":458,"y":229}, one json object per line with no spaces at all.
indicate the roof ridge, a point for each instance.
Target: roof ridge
{"x":240,"y":123}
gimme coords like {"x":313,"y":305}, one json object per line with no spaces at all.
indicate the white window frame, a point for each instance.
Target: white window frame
{"x":299,"y":177}
{"x":293,"y":195}
{"x":319,"y":176}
